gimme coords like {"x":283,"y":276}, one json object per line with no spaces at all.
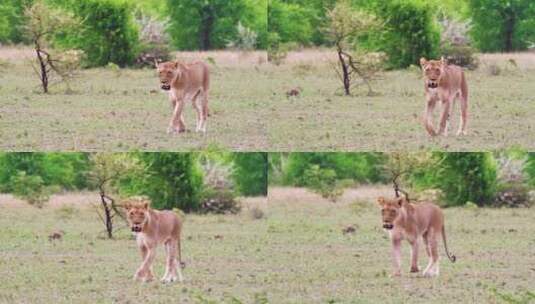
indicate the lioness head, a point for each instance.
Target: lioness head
{"x":167,"y":72}
{"x":137,"y":214}
{"x":390,"y":210}
{"x":433,"y":71}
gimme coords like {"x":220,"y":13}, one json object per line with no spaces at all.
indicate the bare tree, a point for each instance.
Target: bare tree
{"x":399,"y":165}
{"x":43,"y":24}
{"x":346,"y":25}
{"x":108,"y":168}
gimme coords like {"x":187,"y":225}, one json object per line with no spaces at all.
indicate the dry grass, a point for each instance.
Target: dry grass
{"x":314,"y":261}
{"x":225,"y":257}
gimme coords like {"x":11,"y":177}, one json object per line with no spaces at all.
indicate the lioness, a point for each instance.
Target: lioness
{"x":445,"y":83}
{"x":153,"y":227}
{"x":185,"y":82}
{"x":405,"y":220}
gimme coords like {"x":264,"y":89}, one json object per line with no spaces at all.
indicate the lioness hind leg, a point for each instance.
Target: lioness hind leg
{"x":432,"y":267}
{"x":170,"y":267}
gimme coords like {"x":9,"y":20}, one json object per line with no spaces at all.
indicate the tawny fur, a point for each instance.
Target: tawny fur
{"x":153,"y":227}
{"x":444,"y":83}
{"x":185,"y":82}
{"x":411,"y":222}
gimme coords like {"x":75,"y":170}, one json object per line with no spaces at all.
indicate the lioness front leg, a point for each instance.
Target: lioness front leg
{"x":414,"y":255}
{"x":140,"y":272}
{"x":177,"y":121}
{"x":170,"y":266}
{"x":428,"y":117}
{"x":144,"y":271}
{"x":443,"y":129}
{"x":396,"y":257}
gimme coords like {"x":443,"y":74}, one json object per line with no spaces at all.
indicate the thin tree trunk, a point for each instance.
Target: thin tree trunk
{"x":207,"y":23}
{"x":107,"y":214}
{"x":345,"y":71}
{"x":510,"y":23}
{"x":42,"y":66}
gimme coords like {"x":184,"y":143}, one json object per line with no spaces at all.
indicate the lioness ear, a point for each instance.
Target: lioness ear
{"x":381,"y":201}
{"x":127,"y":205}
{"x":145,"y":205}
{"x":401,"y":201}
{"x":176,"y":64}
{"x":443,"y":61}
{"x":423,"y":61}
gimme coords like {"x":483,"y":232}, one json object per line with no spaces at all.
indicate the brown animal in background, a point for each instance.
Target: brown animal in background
{"x":56,"y":235}
{"x":405,"y":220}
{"x":153,"y":227}
{"x":445,"y":83}
{"x":185,"y":82}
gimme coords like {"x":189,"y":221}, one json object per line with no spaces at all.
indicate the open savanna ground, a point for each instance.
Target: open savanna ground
{"x":225,"y":256}
{"x":501,"y":107}
{"x":313,"y":261}
{"x":124,"y":109}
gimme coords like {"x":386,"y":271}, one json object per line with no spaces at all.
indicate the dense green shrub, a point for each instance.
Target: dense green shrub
{"x":529,"y":168}
{"x":360,"y":167}
{"x":108,"y":34}
{"x":205,"y":25}
{"x":12,"y":20}
{"x":462,"y":177}
{"x":66,"y":170}
{"x":251,"y":173}
{"x":30,"y":188}
{"x":502,"y":26}
{"x":410,"y":32}
{"x":170,"y":180}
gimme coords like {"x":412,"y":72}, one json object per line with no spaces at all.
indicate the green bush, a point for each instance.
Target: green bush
{"x":410,"y":32}
{"x":529,"y":169}
{"x":322,"y":181}
{"x":461,"y":177}
{"x":204,"y":25}
{"x":108,"y":34}
{"x":30,"y":188}
{"x":360,"y":167}
{"x":12,"y":20}
{"x":65,"y":170}
{"x":251,"y":173}
{"x":502,"y":26}
{"x":170,"y":180}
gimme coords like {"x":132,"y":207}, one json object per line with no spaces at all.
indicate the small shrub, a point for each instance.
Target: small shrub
{"x":460,"y":55}
{"x":30,"y":188}
{"x":322,"y":181}
{"x":513,"y":195}
{"x":219,"y":201}
{"x":66,"y":212}
{"x":245,"y":40}
{"x":257,"y":213}
{"x":108,"y":34}
{"x":150,"y":53}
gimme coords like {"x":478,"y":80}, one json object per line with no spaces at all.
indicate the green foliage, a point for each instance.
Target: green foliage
{"x":108,"y":34}
{"x":529,"y":168}
{"x":170,"y":180}
{"x":410,"y":32}
{"x":212,"y":24}
{"x":30,"y":188}
{"x":462,"y":177}
{"x":502,"y":26}
{"x":360,"y":167}
{"x":12,"y":19}
{"x":322,"y":181}
{"x":289,"y":22}
{"x":66,"y":170}
{"x":251,"y":173}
